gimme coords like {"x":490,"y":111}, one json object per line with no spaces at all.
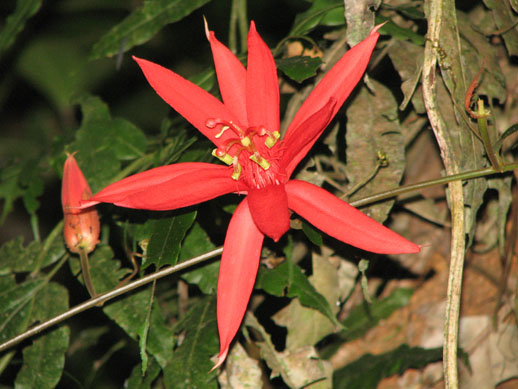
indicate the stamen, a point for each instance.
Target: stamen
{"x":272,"y":139}
{"x":246,"y":141}
{"x":224,"y":157}
{"x":260,"y":161}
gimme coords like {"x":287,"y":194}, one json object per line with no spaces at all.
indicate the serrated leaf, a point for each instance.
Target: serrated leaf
{"x":130,"y":311}
{"x":367,"y":371}
{"x":191,"y":362}
{"x":299,"y":68}
{"x":288,"y":279}
{"x":166,"y":236}
{"x":204,"y":276}
{"x":17,"y":258}
{"x":15,"y":305}
{"x":373,"y":127}
{"x":14,"y":24}
{"x":142,"y":24}
{"x":44,"y":360}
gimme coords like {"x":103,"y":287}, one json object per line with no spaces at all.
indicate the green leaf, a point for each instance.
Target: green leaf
{"x":139,"y":381}
{"x":191,"y":363}
{"x":409,"y":10}
{"x":17,"y":258}
{"x":367,"y":371}
{"x":9,"y":188}
{"x":25,"y":9}
{"x":204,"y":276}
{"x":290,"y":278}
{"x":143,"y":24}
{"x":143,"y":330}
{"x":102,"y":142}
{"x":22,"y":179}
{"x":57,"y":67}
{"x":392,"y":29}
{"x":15,"y":305}
{"x":166,"y":236}
{"x":43,"y":361}
{"x":299,"y":68}
{"x":321,"y":12}
{"x":130,"y":311}
{"x":312,"y":233}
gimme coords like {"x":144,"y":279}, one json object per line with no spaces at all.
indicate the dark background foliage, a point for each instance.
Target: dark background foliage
{"x":323,"y":314}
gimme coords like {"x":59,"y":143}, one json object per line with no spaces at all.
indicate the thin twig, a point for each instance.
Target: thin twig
{"x":101,"y":299}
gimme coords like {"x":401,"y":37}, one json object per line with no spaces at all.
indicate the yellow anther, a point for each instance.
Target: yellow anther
{"x":271,"y":140}
{"x":223,"y":129}
{"x":237,"y":171}
{"x":225,"y":158}
{"x":260,"y":161}
{"x":246,"y":141}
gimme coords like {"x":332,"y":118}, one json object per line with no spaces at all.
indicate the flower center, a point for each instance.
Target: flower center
{"x":244,"y":141}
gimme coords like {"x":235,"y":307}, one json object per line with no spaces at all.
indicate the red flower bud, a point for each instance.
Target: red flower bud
{"x":82,"y":226}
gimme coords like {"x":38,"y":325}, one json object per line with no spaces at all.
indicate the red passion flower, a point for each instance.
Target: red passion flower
{"x":245,"y":130}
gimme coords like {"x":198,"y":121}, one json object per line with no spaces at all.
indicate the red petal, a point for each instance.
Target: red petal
{"x":170,"y":187}
{"x":74,"y":187}
{"x":338,"y":83}
{"x":340,"y":220}
{"x":298,"y":141}
{"x":269,"y":209}
{"x":237,"y":272}
{"x":262,"y":85}
{"x":231,"y":78}
{"x":188,"y":99}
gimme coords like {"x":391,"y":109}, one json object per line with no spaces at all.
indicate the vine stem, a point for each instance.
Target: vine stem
{"x":102,"y":298}
{"x":436,"y":14}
